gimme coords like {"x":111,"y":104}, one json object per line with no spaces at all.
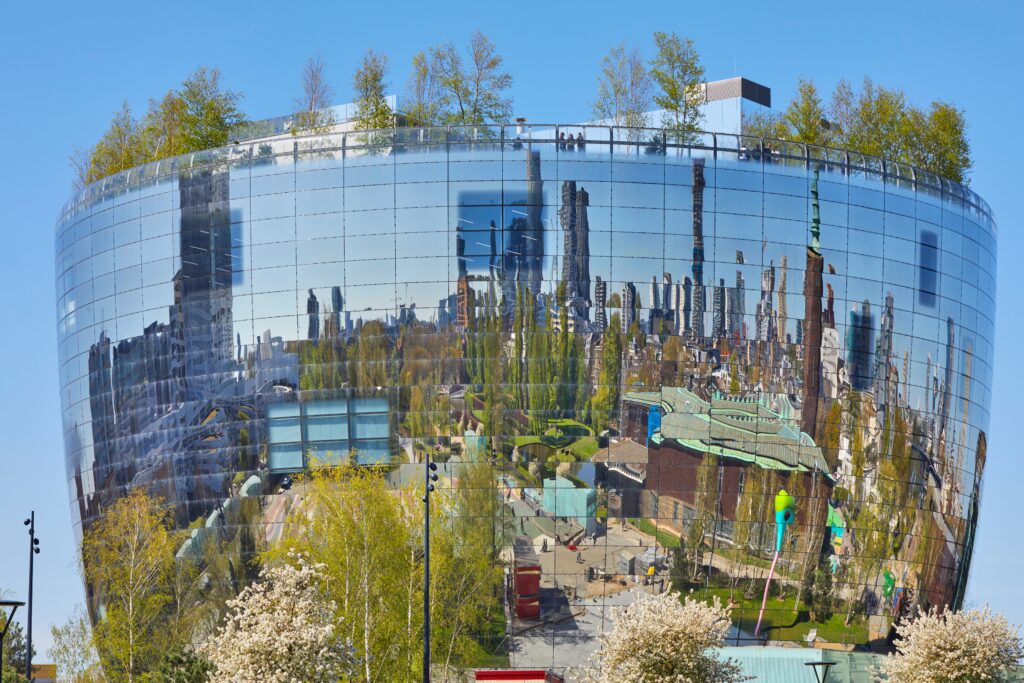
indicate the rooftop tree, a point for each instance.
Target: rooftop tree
{"x":623,"y":88}
{"x":876,"y":121}
{"x":472,"y":90}
{"x":199,"y":116}
{"x":210,"y":110}
{"x":424,"y":99}
{"x":370,"y":85}
{"x":679,"y":75}
{"x":313,"y":107}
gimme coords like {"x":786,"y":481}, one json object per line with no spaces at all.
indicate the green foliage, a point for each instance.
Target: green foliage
{"x":313,"y":107}
{"x":804,"y":118}
{"x":199,"y":116}
{"x":471,"y":92}
{"x":128,"y":556}
{"x":121,"y":147}
{"x":424,"y":101}
{"x":822,"y":596}
{"x":15,"y":647}
{"x":73,"y":651}
{"x":877,"y":121}
{"x":12,"y":675}
{"x":679,"y":75}
{"x":210,"y":111}
{"x":376,"y":580}
{"x":180,"y":665}
{"x":623,"y":88}
{"x":370,"y":86}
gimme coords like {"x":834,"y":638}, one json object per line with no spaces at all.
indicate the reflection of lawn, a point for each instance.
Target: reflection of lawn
{"x":584,"y":448}
{"x":489,"y":649}
{"x":561,"y":433}
{"x":664,"y":538}
{"x":781,"y":621}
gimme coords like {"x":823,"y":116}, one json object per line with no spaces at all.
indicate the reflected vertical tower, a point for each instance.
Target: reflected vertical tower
{"x":812,"y":319}
{"x":576,"y":256}
{"x":697,"y":286}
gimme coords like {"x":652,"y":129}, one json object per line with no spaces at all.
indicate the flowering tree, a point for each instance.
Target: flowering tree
{"x":281,"y":629}
{"x":954,"y":647}
{"x":659,"y":639}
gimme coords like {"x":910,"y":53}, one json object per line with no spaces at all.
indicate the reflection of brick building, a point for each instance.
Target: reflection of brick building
{"x":749,"y":439}
{"x":622,"y":470}
{"x":526,"y":579}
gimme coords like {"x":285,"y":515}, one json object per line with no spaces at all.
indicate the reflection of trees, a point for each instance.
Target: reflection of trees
{"x":322,"y":364}
{"x":370,"y":357}
{"x":606,"y":394}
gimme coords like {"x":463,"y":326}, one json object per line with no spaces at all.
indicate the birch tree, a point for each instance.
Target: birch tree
{"x":423,"y":93}
{"x":73,"y":651}
{"x":679,"y":75}
{"x":370,"y":85}
{"x":623,"y":89}
{"x":128,"y":557}
{"x":473,"y":90}
{"x":313,"y":106}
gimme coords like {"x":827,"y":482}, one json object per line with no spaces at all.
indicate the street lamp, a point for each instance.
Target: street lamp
{"x":33,"y":550}
{"x":4,"y":604}
{"x":430,"y":476}
{"x":824,"y":665}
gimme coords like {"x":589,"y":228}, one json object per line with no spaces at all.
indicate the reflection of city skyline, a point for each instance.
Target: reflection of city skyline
{"x":725,"y":358}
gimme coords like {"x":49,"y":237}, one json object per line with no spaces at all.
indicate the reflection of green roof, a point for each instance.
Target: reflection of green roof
{"x":742,"y":429}
{"x":835,"y":519}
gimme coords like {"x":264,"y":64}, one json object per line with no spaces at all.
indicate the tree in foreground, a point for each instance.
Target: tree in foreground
{"x":281,"y":629}
{"x":15,"y":648}
{"x":375,"y":580}
{"x":73,"y":651}
{"x":623,"y":88}
{"x":128,"y":557}
{"x":313,"y":107}
{"x":180,"y":665}
{"x":954,"y":647}
{"x":661,"y":639}
{"x":679,"y":75}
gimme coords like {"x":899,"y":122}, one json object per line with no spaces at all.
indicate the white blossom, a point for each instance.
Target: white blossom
{"x":954,"y":647}
{"x":659,"y":639}
{"x":281,"y":629}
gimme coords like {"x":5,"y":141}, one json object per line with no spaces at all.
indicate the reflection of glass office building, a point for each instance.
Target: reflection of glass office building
{"x":661,"y":318}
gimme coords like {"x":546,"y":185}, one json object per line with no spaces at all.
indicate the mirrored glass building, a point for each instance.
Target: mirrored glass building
{"x":643,"y":340}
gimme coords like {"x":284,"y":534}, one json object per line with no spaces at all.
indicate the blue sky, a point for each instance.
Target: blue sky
{"x":64,"y":68}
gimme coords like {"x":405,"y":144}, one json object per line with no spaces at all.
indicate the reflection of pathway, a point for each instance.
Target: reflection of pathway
{"x":584,"y":609}
{"x":276,"y":513}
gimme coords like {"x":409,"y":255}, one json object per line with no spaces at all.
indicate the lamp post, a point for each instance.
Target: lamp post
{"x":4,"y":604}
{"x":430,"y":476}
{"x":33,"y":550}
{"x":824,"y":665}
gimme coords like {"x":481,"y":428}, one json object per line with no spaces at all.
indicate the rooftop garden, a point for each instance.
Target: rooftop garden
{"x":451,"y":86}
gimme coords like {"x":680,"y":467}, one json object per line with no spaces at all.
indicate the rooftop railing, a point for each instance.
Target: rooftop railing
{"x":617,"y":141}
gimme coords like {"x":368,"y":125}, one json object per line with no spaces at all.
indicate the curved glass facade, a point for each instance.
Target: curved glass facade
{"x":646,"y":342}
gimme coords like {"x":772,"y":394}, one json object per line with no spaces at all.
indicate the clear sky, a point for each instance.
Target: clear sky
{"x":65,"y":67}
